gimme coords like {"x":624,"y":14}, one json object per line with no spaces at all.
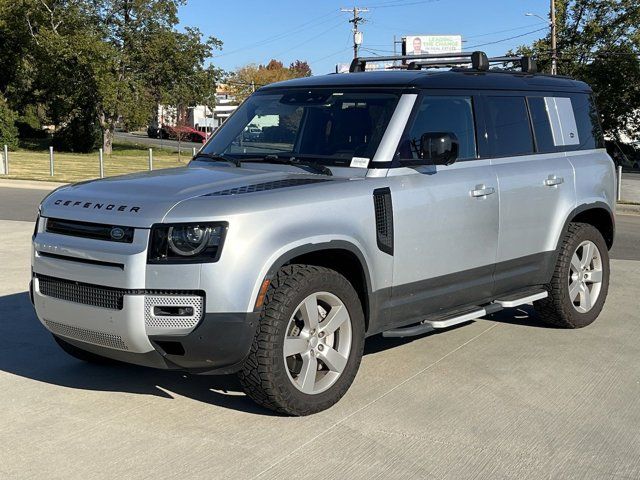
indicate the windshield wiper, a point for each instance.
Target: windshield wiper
{"x":217,"y":157}
{"x":296,"y":162}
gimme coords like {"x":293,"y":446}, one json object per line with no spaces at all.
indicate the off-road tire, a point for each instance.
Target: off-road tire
{"x":83,"y":354}
{"x":557,"y":309}
{"x":264,"y":376}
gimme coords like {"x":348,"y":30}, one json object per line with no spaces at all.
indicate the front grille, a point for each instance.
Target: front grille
{"x":108,"y":297}
{"x":263,"y":187}
{"x":86,"y":294}
{"x":95,"y":231}
{"x":89,"y":336}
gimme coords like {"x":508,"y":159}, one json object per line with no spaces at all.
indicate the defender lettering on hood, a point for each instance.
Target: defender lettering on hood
{"x":97,"y":206}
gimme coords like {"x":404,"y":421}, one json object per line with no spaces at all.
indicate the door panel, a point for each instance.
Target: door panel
{"x":536,"y":194}
{"x":445,"y":238}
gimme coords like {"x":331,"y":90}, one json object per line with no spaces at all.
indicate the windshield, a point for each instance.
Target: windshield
{"x":327,"y":126}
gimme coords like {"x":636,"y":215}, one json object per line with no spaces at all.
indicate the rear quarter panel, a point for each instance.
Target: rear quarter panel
{"x":594,"y":176}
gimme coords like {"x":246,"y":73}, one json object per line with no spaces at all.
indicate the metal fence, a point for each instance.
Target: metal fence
{"x":6,"y":156}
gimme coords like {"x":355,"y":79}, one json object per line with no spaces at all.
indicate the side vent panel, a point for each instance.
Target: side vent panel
{"x":384,"y":219}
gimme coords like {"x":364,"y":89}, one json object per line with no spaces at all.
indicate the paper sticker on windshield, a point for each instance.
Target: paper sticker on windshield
{"x":359,"y":162}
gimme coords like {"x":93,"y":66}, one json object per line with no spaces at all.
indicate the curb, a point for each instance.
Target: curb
{"x":627,"y":209}
{"x":30,"y":184}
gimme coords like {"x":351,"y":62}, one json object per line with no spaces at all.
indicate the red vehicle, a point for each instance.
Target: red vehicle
{"x":183,"y":133}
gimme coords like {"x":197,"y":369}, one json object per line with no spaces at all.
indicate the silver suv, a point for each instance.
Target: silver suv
{"x":388,"y":203}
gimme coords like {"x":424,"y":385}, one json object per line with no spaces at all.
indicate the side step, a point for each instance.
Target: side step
{"x":520,"y":298}
{"x":437,"y":322}
{"x":472,"y":313}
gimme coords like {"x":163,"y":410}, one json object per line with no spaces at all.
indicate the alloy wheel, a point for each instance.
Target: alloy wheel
{"x":585,"y":276}
{"x":317,"y":343}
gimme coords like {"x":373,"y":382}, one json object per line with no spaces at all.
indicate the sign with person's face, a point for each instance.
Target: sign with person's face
{"x":424,"y":44}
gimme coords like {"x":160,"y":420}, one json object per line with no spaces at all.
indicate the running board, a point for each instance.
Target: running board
{"x":443,"y":321}
{"x":521,"y":298}
{"x":466,"y":315}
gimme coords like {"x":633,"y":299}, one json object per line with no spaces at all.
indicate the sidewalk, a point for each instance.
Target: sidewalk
{"x":631,"y":187}
{"x":29,"y":184}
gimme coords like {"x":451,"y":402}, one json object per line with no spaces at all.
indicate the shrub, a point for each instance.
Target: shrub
{"x":81,"y":134}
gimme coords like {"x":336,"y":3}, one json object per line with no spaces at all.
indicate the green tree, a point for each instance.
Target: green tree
{"x":93,"y":64}
{"x":8,"y":129}
{"x":598,"y":41}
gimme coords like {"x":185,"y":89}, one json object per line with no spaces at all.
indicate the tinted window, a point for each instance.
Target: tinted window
{"x":541,"y":125}
{"x":450,"y":114}
{"x":587,"y":122}
{"x":508,"y":126}
{"x":326,"y":126}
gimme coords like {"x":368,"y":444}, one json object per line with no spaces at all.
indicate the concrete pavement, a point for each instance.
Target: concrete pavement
{"x":631,"y":187}
{"x":504,"y":397}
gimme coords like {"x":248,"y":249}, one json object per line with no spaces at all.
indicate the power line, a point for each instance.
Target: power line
{"x":506,"y":39}
{"x":502,"y":31}
{"x":401,"y":3}
{"x":274,"y":38}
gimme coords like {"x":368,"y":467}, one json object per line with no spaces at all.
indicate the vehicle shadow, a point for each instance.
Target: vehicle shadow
{"x":28,"y":350}
{"x":524,"y":316}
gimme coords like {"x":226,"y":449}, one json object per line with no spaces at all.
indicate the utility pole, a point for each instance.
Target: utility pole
{"x":357,"y":34}
{"x":554,"y":52}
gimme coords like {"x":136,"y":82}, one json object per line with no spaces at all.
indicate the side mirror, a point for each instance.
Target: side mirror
{"x":441,"y":148}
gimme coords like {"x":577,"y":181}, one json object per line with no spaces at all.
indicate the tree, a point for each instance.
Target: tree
{"x":598,"y":41}
{"x":131,"y":27}
{"x":8,"y":130}
{"x":97,"y":63}
{"x":246,"y":79}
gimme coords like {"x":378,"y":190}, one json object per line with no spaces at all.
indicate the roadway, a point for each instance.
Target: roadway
{"x":140,"y":138}
{"x":501,"y":397}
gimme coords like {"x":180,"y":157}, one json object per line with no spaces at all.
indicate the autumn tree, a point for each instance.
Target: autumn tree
{"x":246,"y":79}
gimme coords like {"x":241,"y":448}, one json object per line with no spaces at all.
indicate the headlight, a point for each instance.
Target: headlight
{"x":186,"y":243}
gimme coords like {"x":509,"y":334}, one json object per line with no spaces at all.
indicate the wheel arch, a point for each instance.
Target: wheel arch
{"x":598,"y":214}
{"x":339,"y":255}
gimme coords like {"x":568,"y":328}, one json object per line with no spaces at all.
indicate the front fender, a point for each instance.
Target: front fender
{"x":283,"y":255}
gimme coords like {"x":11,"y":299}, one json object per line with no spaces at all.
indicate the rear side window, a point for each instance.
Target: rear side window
{"x":565,"y":123}
{"x":541,"y":125}
{"x":441,"y":114}
{"x":587,"y":121}
{"x":508,"y":126}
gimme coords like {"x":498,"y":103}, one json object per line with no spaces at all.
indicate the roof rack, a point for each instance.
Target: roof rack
{"x":479,"y":61}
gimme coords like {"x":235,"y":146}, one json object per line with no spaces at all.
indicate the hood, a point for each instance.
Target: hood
{"x":142,"y":199}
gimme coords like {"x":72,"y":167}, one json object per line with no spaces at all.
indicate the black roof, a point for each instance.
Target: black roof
{"x":450,"y":79}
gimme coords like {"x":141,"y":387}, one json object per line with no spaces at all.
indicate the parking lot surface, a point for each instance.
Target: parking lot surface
{"x":502,"y":397}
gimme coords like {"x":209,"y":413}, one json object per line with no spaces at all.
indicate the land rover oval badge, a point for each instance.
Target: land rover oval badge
{"x":117,"y":233}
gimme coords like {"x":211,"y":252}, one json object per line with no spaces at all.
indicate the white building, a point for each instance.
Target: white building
{"x":202,"y":117}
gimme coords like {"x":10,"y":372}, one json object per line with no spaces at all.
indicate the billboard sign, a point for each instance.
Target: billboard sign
{"x":423,"y":44}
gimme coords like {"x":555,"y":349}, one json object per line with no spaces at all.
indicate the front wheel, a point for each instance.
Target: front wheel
{"x":580,"y":282}
{"x":309,"y":342}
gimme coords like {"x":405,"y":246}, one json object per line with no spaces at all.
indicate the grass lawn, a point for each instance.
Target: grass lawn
{"x":28,"y":164}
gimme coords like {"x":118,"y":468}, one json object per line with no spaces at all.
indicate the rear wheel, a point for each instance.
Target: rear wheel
{"x":83,"y":354}
{"x":309,"y":343}
{"x":580,"y":283}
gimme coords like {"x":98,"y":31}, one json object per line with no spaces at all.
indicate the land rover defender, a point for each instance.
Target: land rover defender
{"x":383,"y":202}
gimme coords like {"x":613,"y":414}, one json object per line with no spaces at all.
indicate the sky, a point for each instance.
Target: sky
{"x":256,"y":31}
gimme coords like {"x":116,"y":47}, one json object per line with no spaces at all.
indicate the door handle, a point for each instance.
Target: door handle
{"x":482,"y":191}
{"x":553,"y":181}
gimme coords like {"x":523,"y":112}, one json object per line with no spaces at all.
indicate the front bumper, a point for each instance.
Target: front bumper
{"x":217,"y":343}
